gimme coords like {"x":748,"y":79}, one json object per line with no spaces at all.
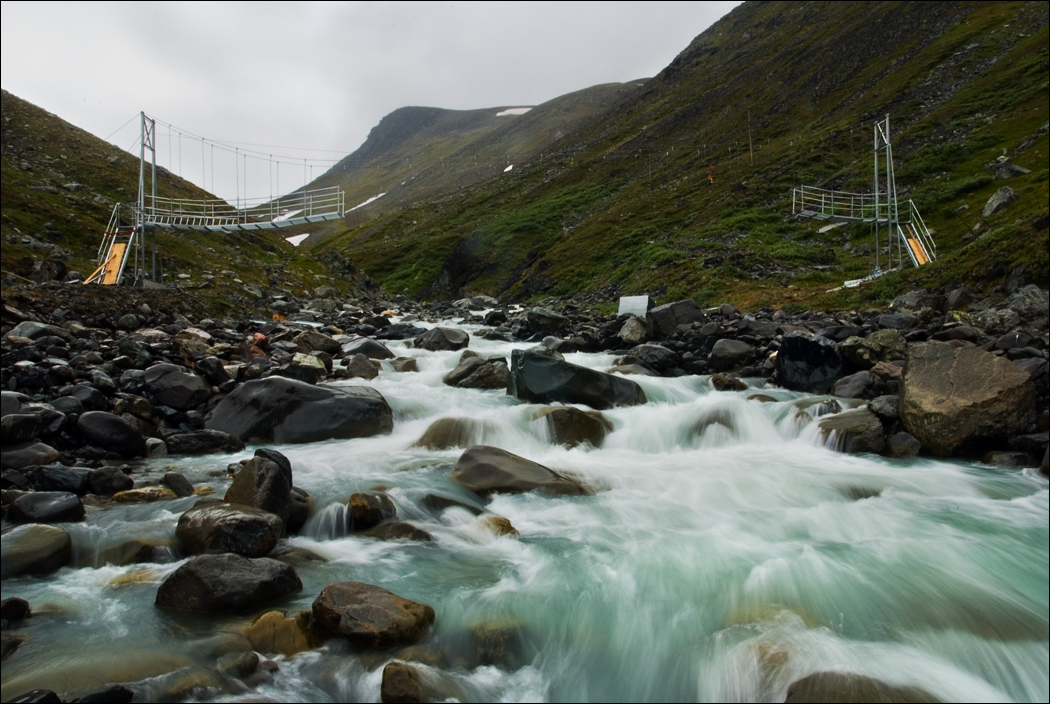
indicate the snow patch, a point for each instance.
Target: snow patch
{"x":508,"y":168}
{"x":296,"y":240}
{"x":513,"y":111}
{"x":361,"y":205}
{"x":286,"y":216}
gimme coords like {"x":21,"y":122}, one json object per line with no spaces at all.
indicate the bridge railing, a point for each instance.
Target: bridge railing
{"x":810,"y":200}
{"x":178,"y":212}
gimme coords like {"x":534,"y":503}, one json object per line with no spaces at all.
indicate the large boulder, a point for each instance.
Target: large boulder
{"x":289,"y":411}
{"x":175,"y":387}
{"x":544,"y":321}
{"x":537,"y":378}
{"x":34,"y":549}
{"x":656,"y":356}
{"x":284,"y":633}
{"x":664,"y":320}
{"x":227,"y":583}
{"x":202,"y":442}
{"x":999,"y":200}
{"x":571,"y":427}
{"x":27,"y":454}
{"x":442,"y":340}
{"x":16,"y":428}
{"x":310,"y":341}
{"x":479,"y":373}
{"x":729,"y":354}
{"x":56,"y":477}
{"x":953,"y":398}
{"x":881,"y":346}
{"x":855,"y":431}
{"x":47,"y":507}
{"x":488,"y":470}
{"x":808,"y":364}
{"x":368,"y":347}
{"x":221,"y":528}
{"x":111,"y":432}
{"x":371,"y":616}
{"x":847,"y":688}
{"x":445,"y":433}
{"x":263,"y":482}
{"x":366,"y":511}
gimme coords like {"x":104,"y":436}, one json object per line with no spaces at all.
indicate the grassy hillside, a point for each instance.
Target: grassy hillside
{"x":59,"y":184}
{"x":773,"y":96}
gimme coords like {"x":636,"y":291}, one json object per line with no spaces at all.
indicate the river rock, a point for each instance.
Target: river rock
{"x":213,"y":370}
{"x":14,"y":610}
{"x":634,"y":331}
{"x":263,"y":484}
{"x":488,"y":470}
{"x":221,"y":528}
{"x":442,"y":340}
{"x":17,"y":428}
{"x":544,"y":321}
{"x":368,"y":510}
{"x":284,"y":410}
{"x":811,"y":365}
{"x":538,"y":378}
{"x":881,"y":346}
{"x":225,"y":583}
{"x":112,"y":433}
{"x":664,"y":320}
{"x":371,"y":616}
{"x":405,"y":364}
{"x":571,"y":426}
{"x":372,"y":349}
{"x":359,"y":366}
{"x":857,"y":431}
{"x":34,"y":549}
{"x":846,"y":688}
{"x":27,"y":454}
{"x":729,"y":354}
{"x":445,"y":433}
{"x":952,"y":397}
{"x":47,"y":507}
{"x":202,"y":442}
{"x":902,"y":445}
{"x":404,"y":683}
{"x":310,"y":341}
{"x":999,"y":200}
{"x":397,"y":530}
{"x":284,"y":633}
{"x":175,"y":387}
{"x":301,"y":508}
{"x":724,"y":381}
{"x":56,"y":477}
{"x":860,"y":385}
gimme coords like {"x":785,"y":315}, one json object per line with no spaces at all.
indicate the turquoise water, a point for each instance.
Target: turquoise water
{"x":716,"y":562}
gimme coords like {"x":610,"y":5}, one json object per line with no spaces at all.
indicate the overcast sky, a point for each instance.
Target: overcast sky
{"x":317,"y":76}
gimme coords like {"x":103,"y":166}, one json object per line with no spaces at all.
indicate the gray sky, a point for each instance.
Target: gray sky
{"x":316,"y":75}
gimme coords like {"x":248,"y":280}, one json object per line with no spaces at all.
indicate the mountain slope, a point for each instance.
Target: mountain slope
{"x":772,"y":96}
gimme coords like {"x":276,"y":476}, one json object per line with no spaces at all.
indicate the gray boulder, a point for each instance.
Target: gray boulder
{"x":847,"y":688}
{"x":805,"y":364}
{"x":227,"y":583}
{"x":17,"y":428}
{"x":371,"y":616}
{"x":545,"y":321}
{"x":881,"y":346}
{"x":27,"y":454}
{"x":656,"y":356}
{"x":175,"y":387}
{"x":56,"y":477}
{"x":479,"y":373}
{"x":202,"y":442}
{"x":1002,"y":198}
{"x":311,"y":341}
{"x":368,"y":510}
{"x":289,"y":411}
{"x":263,"y":484}
{"x":571,"y":426}
{"x":902,"y":445}
{"x":729,"y":354}
{"x":47,"y":507}
{"x":489,"y":470}
{"x":664,"y":320}
{"x":222,"y":528}
{"x":35,"y":550}
{"x":953,"y":397}
{"x":538,"y":378}
{"x":855,"y":431}
{"x":442,"y":340}
{"x":358,"y":366}
{"x":111,"y":432}
{"x":634,"y":331}
{"x":860,"y":385}
{"x":106,"y":481}
{"x":370,"y":348}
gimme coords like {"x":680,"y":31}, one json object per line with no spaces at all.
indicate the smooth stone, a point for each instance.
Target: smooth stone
{"x":34,"y":549}
{"x":47,"y":507}
{"x":857,"y":431}
{"x":442,"y":340}
{"x":227,"y":583}
{"x":845,"y":688}
{"x":538,"y":378}
{"x":111,"y":432}
{"x":488,"y":470}
{"x":366,"y":511}
{"x":371,"y":616}
{"x":571,"y":426}
{"x":222,"y":528}
{"x":284,"y":633}
{"x":202,"y":442}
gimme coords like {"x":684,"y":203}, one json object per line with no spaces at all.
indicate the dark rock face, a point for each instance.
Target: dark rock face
{"x":173,"y":386}
{"x":371,"y":616}
{"x":222,"y":528}
{"x":479,"y":373}
{"x":285,"y":410}
{"x":227,"y":583}
{"x":107,"y":481}
{"x":202,"y":442}
{"x":488,"y":470}
{"x":729,"y":354}
{"x":808,"y":365}
{"x":55,"y":477}
{"x":860,"y":385}
{"x":47,"y":507}
{"x":664,"y":320}
{"x":902,"y":445}
{"x":369,"y":510}
{"x":537,"y":378}
{"x":302,"y":506}
{"x":951,"y":397}
{"x":111,"y":432}
{"x":17,"y":428}
{"x":442,"y":340}
{"x":34,"y":549}
{"x":368,"y":347}
{"x":656,"y":356}
{"x":263,"y":484}
{"x":849,"y":689}
{"x":571,"y":427}
{"x":857,"y":431}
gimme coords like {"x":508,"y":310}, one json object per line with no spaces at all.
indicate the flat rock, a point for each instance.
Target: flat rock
{"x":27,"y":454}
{"x":47,"y":507}
{"x":222,"y":528}
{"x":488,"y":470}
{"x":175,"y":387}
{"x":202,"y":442}
{"x":856,"y":431}
{"x":371,"y":616}
{"x":538,"y":378}
{"x":34,"y":549}
{"x":952,"y":397}
{"x":288,"y":411}
{"x":227,"y":583}
{"x":112,"y":433}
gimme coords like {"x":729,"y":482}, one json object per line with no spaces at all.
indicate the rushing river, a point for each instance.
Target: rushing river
{"x":718,"y":564}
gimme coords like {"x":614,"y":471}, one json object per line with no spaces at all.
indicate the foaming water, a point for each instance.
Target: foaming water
{"x":727,"y":551}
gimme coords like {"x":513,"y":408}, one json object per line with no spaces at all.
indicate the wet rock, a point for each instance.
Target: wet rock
{"x":1012,"y":460}
{"x":106,"y":481}
{"x":113,"y":694}
{"x":264,"y":484}
{"x":112,"y":433}
{"x":811,"y":365}
{"x":634,"y":331}
{"x":370,"y":348}
{"x":202,"y":442}
{"x":405,"y":364}
{"x":176,"y":388}
{"x":284,"y":410}
{"x":34,"y":549}
{"x":445,"y":433}
{"x":437,"y":504}
{"x":397,"y":530}
{"x":301,"y":508}
{"x":954,"y":397}
{"x":47,"y":507}
{"x":371,"y":616}
{"x":360,"y":367}
{"x":860,"y":385}
{"x":311,"y":341}
{"x":37,"y":696}
{"x":14,"y":610}
{"x":886,"y":407}
{"x":284,"y":633}
{"x":498,"y":525}
{"x":999,"y":200}
{"x":17,"y":428}
{"x":537,"y":378}
{"x":368,"y":510}
{"x":400,"y":331}
{"x":544,"y":321}
{"x":404,"y":683}
{"x":488,"y":470}
{"x":664,"y":320}
{"x":27,"y":454}
{"x":11,"y":402}
{"x":881,"y":346}
{"x":213,"y":370}
{"x":571,"y":426}
{"x":897,"y":321}
{"x":846,"y":688}
{"x":146,"y":495}
{"x":902,"y":445}
{"x":56,"y":477}
{"x":856,"y":431}
{"x":227,"y":583}
{"x":729,"y":354}
{"x":478,"y":373}
{"x":221,"y":528}
{"x":442,"y":340}
{"x":727,"y":382}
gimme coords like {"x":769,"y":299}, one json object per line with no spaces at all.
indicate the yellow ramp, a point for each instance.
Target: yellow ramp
{"x":113,"y":262}
{"x":915,"y":246}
